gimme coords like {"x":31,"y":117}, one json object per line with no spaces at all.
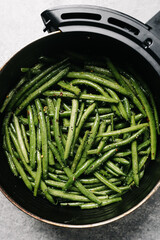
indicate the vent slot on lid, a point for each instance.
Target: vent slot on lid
{"x":123,"y":25}
{"x":79,"y":15}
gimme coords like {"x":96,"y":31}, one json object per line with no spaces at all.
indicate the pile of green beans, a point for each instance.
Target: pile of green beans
{"x":79,"y":135}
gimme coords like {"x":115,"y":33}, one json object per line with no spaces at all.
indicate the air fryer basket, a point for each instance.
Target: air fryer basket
{"x":86,"y":36}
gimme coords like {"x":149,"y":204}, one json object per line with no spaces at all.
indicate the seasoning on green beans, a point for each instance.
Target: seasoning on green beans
{"x":79,"y":135}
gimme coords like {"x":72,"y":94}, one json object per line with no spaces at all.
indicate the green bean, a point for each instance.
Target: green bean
{"x":105,"y":173}
{"x":41,"y":89}
{"x":124,"y":130}
{"x":16,"y":163}
{"x":134,"y":156}
{"x":99,"y":80}
{"x":23,"y":120}
{"x":98,"y":98}
{"x":43,"y":131}
{"x":23,"y":175}
{"x":109,"y":170}
{"x":39,"y":139}
{"x":80,"y":113}
{"x":69,"y":174}
{"x":37,"y":84}
{"x":56,"y":129}
{"x":114,"y":168}
{"x":124,"y":84}
{"x":16,"y":144}
{"x":103,"y":141}
{"x":50,"y":105}
{"x":150,"y":116}
{"x":90,"y":84}
{"x":142,"y":161}
{"x":32,"y":138}
{"x":11,"y":164}
{"x":60,"y":184}
{"x":145,"y":152}
{"x":98,"y":70}
{"x":35,"y":117}
{"x":104,"y":110}
{"x":13,"y":128}
{"x":55,"y":178}
{"x":78,"y":173}
{"x":38,"y":174}
{"x":56,"y":154}
{"x":143,"y":145}
{"x":20,"y":138}
{"x":62,"y":94}
{"x":89,"y":180}
{"x":82,"y":189}
{"x":11,"y":94}
{"x":71,"y":131}
{"x":100,"y":161}
{"x":119,"y":105}
{"x":102,"y":117}
{"x":82,"y":96}
{"x":61,"y":194}
{"x":121,"y":160}
{"x":84,"y":117}
{"x":69,"y":87}
{"x":102,"y":128}
{"x":25,"y":137}
{"x":29,"y":85}
{"x":127,"y":107}
{"x":89,"y":141}
{"x":79,"y":152}
{"x":64,"y":113}
{"x":124,"y":142}
{"x":66,"y":107}
{"x":106,"y":182}
{"x":71,"y":204}
{"x":50,"y":158}
{"x":63,"y":137}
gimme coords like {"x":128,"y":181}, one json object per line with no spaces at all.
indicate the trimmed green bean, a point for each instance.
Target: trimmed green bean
{"x":41,"y":89}
{"x":43,"y":130}
{"x":20,"y":138}
{"x":124,"y":130}
{"x":11,"y":164}
{"x":99,"y":80}
{"x":90,"y":141}
{"x":56,"y":129}
{"x":69,"y":87}
{"x":84,"y":117}
{"x":71,"y":131}
{"x":150,"y":115}
{"x":106,"y":182}
{"x":78,"y":173}
{"x":25,"y":137}
{"x":115,"y":168}
{"x":32,"y":137}
{"x":38,"y":174}
{"x":134,"y":156}
{"x":79,"y":152}
{"x":124,"y":142}
{"x":119,"y":105}
{"x":100,"y":161}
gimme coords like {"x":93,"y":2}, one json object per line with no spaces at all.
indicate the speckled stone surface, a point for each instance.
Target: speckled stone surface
{"x":20,"y":24}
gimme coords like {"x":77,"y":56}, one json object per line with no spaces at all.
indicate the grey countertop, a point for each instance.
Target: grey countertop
{"x":20,"y":24}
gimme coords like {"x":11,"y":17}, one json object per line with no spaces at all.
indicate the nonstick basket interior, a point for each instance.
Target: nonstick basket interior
{"x":14,"y":189}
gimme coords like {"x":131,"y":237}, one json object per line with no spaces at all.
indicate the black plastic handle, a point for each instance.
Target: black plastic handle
{"x":154,"y":24}
{"x":76,"y":18}
{"x":65,"y":17}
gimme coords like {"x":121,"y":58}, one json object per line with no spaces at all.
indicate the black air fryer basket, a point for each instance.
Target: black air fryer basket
{"x":101,"y":31}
